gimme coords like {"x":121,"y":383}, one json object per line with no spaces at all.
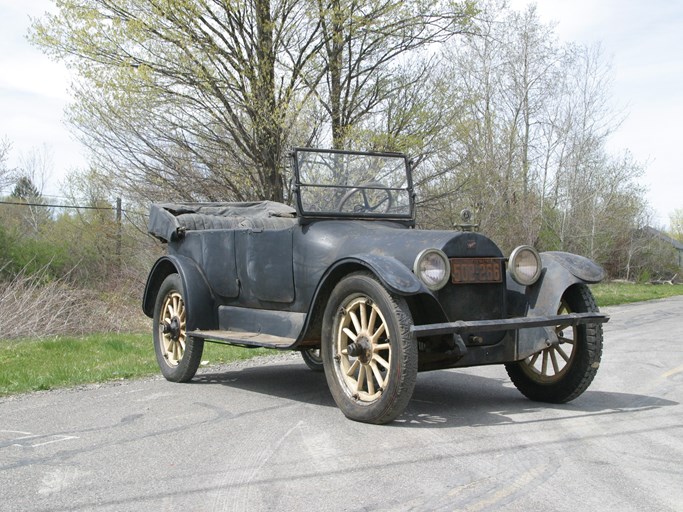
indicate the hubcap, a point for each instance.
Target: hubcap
{"x":362,"y":350}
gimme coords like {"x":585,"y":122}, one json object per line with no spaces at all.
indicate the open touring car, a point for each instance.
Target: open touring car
{"x":345,"y":278}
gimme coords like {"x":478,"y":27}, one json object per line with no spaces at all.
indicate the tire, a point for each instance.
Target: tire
{"x":313,"y":359}
{"x":561,"y":373}
{"x":178,"y":355}
{"x":371,"y":377}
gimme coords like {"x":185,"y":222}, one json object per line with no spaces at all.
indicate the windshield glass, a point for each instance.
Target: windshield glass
{"x":355,"y":184}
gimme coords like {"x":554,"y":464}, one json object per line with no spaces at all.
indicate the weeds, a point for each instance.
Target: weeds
{"x":36,"y":305}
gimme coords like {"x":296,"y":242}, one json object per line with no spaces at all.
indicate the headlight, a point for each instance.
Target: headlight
{"x":432,"y":268}
{"x":525,"y":265}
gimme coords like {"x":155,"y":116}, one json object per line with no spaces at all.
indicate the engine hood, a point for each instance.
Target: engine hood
{"x":328,"y":241}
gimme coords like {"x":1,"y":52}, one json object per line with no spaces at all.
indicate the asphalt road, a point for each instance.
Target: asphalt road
{"x":267,"y":436}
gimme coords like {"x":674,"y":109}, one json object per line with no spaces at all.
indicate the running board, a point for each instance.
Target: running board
{"x":245,"y":339}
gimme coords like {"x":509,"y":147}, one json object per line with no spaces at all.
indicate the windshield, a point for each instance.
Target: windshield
{"x":335,"y":183}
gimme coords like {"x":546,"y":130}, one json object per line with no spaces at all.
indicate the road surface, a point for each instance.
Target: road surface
{"x":267,"y":436}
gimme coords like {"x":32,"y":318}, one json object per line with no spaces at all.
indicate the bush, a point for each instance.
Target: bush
{"x":34,"y":305}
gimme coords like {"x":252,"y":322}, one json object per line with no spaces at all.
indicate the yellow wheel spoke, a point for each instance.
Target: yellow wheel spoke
{"x":361,"y":377}
{"x":380,"y":360}
{"x":370,"y":382}
{"x":553,"y":359}
{"x":354,"y":319}
{"x":373,"y":318}
{"x":544,"y":364}
{"x":377,"y":373}
{"x":562,"y":353}
{"x":350,"y":333}
{"x":363,"y":316}
{"x":534,"y":358}
{"x":566,"y":340}
{"x":380,"y":330}
{"x":353,"y":368}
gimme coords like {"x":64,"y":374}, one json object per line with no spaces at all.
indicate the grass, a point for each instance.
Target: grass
{"x":613,"y":293}
{"x":31,"y":365}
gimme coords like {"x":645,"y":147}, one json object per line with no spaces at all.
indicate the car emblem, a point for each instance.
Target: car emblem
{"x":471,"y":244}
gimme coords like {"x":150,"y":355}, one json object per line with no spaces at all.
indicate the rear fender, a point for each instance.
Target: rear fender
{"x":199,"y":299}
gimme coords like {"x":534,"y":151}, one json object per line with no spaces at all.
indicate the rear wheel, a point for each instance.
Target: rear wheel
{"x":313,"y":359}
{"x":178,"y":354}
{"x":562,"y":372}
{"x":369,"y":354}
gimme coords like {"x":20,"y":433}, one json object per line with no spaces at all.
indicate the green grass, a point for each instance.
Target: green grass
{"x":31,"y":365}
{"x":611,"y":294}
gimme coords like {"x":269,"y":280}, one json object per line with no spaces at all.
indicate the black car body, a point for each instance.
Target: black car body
{"x":347,"y":279}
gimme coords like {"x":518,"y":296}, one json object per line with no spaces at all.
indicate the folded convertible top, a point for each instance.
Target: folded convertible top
{"x":169,"y":221}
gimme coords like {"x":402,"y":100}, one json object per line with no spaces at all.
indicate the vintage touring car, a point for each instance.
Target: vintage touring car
{"x":345,"y":278}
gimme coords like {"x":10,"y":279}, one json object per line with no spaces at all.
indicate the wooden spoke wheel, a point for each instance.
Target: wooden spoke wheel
{"x":178,"y":354}
{"x":369,"y":353}
{"x":562,"y":371}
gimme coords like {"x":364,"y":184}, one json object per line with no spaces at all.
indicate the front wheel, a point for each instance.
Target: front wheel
{"x":369,"y":354}
{"x":178,"y":355}
{"x":562,"y":372}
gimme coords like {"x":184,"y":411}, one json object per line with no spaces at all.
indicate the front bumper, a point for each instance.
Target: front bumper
{"x":507,"y":324}
{"x":525,"y":336}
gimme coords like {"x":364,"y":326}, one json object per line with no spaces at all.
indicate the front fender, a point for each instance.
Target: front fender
{"x":560,"y":270}
{"x":393,"y":274}
{"x":199,"y":299}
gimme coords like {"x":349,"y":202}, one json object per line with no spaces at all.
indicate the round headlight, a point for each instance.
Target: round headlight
{"x":432,"y":268}
{"x":525,"y":265}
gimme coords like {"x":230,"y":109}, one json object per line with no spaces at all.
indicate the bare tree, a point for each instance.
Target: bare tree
{"x":195,"y":98}
{"x":6,"y":174}
{"x":530,"y":121}
{"x":367,"y":45}
{"x":676,"y":219}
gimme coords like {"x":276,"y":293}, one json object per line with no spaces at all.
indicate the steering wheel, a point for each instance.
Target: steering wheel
{"x":366,"y":200}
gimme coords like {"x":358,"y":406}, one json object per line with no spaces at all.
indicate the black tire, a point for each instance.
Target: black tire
{"x":178,"y":355}
{"x":372,"y":377}
{"x":544,"y":377}
{"x":313,"y":359}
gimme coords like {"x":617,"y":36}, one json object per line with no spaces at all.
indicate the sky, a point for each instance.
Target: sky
{"x":642,"y":40}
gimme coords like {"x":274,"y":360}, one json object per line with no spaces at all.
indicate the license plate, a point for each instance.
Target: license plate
{"x":476,"y":270}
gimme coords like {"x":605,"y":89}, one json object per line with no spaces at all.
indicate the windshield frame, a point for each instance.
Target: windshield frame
{"x":299,"y":185}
